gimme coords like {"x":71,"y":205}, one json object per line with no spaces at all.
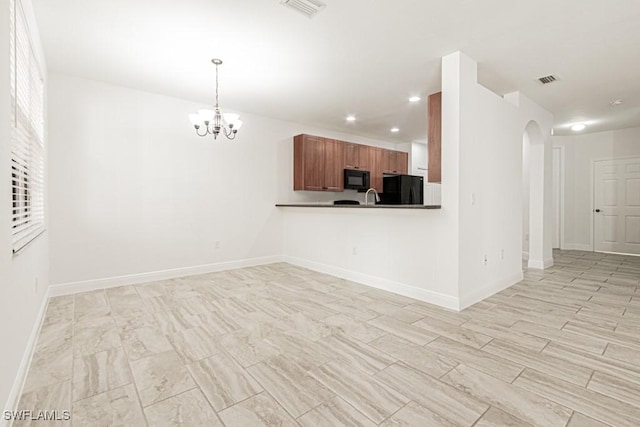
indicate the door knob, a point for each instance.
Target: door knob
{"x":597,"y":210}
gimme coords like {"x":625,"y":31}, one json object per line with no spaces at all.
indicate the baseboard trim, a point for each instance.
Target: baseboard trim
{"x":424,"y":295}
{"x":23,"y":369}
{"x":577,"y":247}
{"x":540,"y":265}
{"x":480,"y":294}
{"x":132,"y":279}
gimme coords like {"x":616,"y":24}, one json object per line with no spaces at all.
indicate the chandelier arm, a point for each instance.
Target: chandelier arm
{"x":206,"y":131}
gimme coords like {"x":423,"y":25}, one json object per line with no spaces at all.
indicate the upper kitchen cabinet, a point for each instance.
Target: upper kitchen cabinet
{"x":318,"y":163}
{"x":376,"y":167}
{"x":395,"y":162}
{"x":356,"y":156}
{"x":434,"y":136}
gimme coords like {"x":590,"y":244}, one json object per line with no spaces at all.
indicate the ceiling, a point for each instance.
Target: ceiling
{"x":357,"y":57}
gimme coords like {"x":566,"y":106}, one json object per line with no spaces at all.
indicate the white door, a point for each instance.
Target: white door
{"x":617,"y":206}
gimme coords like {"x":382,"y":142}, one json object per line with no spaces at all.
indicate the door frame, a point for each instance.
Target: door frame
{"x":592,"y":238}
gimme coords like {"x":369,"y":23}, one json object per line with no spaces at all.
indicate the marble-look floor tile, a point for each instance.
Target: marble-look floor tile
{"x":92,"y":335}
{"x":456,"y":333}
{"x":188,"y":409}
{"x":118,"y":407}
{"x":288,"y":383}
{"x":580,"y":420}
{"x":160,"y":376}
{"x":301,"y":324}
{"x":366,"y":394}
{"x":247,"y":348}
{"x":54,"y":336}
{"x":453,"y":317}
{"x":618,"y":388}
{"x":342,"y":324}
{"x":335,"y":412}
{"x":495,"y":366}
{"x":553,"y":365}
{"x":143,"y":342}
{"x":436,"y":396}
{"x":49,"y":368}
{"x":223,"y":381}
{"x":562,"y":336}
{"x":414,"y":414}
{"x":414,"y":355}
{"x":411,"y":333}
{"x":518,"y":402}
{"x":54,"y":397}
{"x":362,"y":355}
{"x":624,"y":354}
{"x":59,"y":310}
{"x":604,"y":364}
{"x":194,"y":344}
{"x":100,"y":372}
{"x":259,"y":410}
{"x":494,"y":330}
{"x":494,"y":417}
{"x":595,"y":405}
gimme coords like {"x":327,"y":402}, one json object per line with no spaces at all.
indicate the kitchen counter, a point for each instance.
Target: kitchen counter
{"x":327,"y":205}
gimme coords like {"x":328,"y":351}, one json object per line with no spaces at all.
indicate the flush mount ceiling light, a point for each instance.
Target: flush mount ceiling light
{"x":351,"y":118}
{"x":577,"y":127}
{"x":414,"y":99}
{"x":213,"y":121}
{"x":616,"y":102}
{"x":395,"y":130}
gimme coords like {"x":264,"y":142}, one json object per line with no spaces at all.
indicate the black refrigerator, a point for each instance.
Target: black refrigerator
{"x":402,"y":190}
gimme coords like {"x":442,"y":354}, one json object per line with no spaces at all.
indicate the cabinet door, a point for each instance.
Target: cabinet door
{"x":308,"y":163}
{"x":376,"y":167}
{"x":363,"y":157}
{"x":351,"y":156}
{"x":333,"y":165}
{"x":434,"y":137}
{"x":401,"y":162}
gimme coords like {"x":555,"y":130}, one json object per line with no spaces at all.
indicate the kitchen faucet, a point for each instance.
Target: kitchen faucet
{"x":366,"y":196}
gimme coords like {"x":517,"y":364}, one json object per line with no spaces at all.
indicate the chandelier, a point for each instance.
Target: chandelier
{"x":212,"y":121}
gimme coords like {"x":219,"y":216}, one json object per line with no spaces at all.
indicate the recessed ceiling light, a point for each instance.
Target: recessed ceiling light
{"x":616,"y":102}
{"x":414,"y":99}
{"x":394,"y":130}
{"x":577,"y":127}
{"x":351,"y":118}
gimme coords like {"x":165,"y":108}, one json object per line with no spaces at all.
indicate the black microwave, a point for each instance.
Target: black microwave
{"x":355,"y":179}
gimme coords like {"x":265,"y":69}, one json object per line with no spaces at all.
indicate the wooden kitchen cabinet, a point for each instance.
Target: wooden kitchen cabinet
{"x":376,"y":167}
{"x":356,"y":156}
{"x":435,"y":137}
{"x":318,"y":164}
{"x":395,"y":162}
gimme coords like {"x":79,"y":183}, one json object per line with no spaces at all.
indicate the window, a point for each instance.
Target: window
{"x":27,"y":136}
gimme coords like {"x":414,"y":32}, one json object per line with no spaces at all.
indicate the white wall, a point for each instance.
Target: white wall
{"x":20,"y":302}
{"x":135,"y":191}
{"x":485,"y":132}
{"x":580,"y":152}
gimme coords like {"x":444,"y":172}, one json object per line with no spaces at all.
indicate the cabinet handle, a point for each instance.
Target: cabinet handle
{"x":325,"y":188}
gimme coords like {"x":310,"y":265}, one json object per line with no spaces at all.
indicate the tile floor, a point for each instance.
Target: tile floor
{"x":281,"y":345}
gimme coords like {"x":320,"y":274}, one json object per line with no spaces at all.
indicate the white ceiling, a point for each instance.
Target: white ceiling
{"x":358,"y":57}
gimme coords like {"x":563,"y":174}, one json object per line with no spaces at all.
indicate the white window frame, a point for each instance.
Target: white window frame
{"x":27,"y":135}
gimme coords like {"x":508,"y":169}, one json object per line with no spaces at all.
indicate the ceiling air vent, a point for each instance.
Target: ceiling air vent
{"x":547,"y":79}
{"x":308,"y":8}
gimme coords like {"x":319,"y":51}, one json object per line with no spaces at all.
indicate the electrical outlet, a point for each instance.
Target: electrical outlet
{"x":501,"y":253}
{"x":354,"y":251}
{"x":485,"y":260}
{"x":217,"y":244}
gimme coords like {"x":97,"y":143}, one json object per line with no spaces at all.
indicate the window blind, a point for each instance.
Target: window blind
{"x":27,"y":139}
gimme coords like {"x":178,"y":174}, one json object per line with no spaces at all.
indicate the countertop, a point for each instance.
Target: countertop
{"x":327,"y":205}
